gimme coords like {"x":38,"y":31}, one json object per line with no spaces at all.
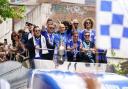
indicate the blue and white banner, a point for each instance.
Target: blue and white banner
{"x":57,"y":79}
{"x":112,"y":26}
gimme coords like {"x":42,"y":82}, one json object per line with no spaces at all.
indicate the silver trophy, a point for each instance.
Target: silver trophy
{"x":61,"y":51}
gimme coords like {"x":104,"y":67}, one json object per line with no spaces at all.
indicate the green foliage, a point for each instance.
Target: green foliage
{"x":7,"y":11}
{"x":121,"y":68}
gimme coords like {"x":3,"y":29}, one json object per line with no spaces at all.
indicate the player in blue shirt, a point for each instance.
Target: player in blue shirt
{"x":60,"y":39}
{"x":61,"y":35}
{"x":74,"y":46}
{"x":88,"y":27}
{"x":89,"y":49}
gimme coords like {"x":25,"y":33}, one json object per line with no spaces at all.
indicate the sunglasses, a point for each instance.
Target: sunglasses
{"x":37,"y":30}
{"x":86,"y":35}
{"x":88,"y":22}
{"x":51,"y":28}
{"x":14,"y":36}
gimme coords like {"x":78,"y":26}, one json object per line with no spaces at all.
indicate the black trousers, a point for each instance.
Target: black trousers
{"x":88,"y":58}
{"x":48,"y":56}
{"x":70,"y":56}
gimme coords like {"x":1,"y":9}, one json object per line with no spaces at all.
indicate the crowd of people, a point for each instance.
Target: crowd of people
{"x":34,"y":42}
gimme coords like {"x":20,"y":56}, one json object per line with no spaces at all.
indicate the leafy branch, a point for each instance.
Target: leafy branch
{"x":121,"y":68}
{"x":8,"y":11}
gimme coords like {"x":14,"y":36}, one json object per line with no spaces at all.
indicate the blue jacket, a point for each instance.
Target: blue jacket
{"x":59,"y":37}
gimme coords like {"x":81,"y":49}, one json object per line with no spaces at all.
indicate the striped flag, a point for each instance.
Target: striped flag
{"x":112,"y":26}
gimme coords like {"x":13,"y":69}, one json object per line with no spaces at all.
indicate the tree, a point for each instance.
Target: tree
{"x":8,"y":11}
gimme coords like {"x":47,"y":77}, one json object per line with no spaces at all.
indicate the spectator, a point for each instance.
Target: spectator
{"x":30,"y":28}
{"x":2,"y":53}
{"x":23,"y":36}
{"x":17,"y":48}
{"x":26,"y":27}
